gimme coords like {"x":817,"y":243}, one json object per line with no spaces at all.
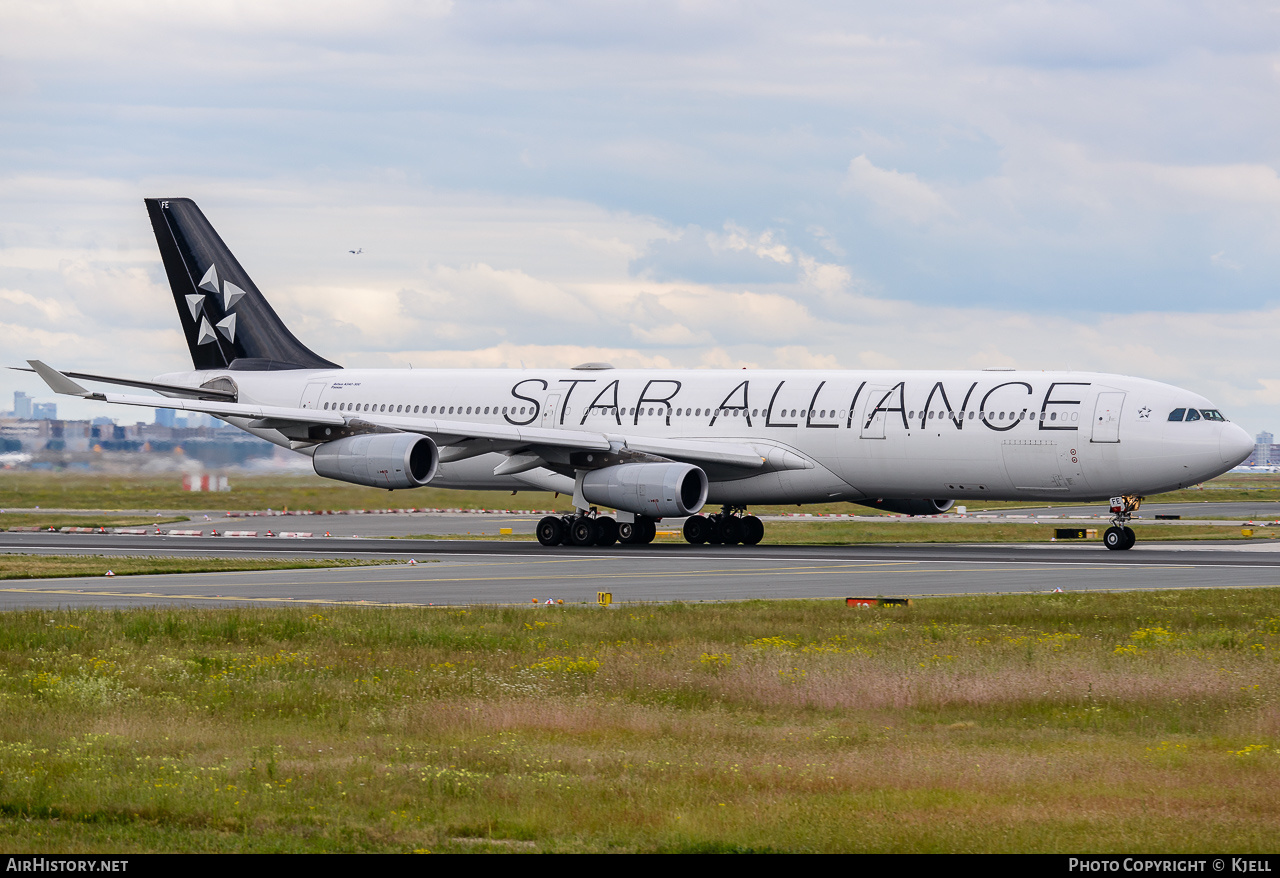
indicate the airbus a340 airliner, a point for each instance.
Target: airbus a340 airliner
{"x":662,"y":444}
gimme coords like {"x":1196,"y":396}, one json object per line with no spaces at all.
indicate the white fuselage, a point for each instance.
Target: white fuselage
{"x":982,"y":435}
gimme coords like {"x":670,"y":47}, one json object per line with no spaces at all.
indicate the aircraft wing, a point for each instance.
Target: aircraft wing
{"x":526,"y":447}
{"x":179,"y":389}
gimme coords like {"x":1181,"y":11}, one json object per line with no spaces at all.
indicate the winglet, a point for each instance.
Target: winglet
{"x":57,"y":382}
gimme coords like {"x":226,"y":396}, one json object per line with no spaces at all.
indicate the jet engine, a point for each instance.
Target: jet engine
{"x":910,"y":507}
{"x":379,"y":460}
{"x":654,"y":490}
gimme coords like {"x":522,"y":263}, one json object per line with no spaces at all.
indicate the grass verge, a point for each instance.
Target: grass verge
{"x":52,"y":566}
{"x":1056,"y":723}
{"x":44,"y":521}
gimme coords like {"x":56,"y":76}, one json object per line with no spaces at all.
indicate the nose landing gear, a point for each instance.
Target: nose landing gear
{"x":1120,"y":536}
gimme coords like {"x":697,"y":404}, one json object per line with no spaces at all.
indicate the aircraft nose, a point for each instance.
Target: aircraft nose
{"x":1235,"y":445}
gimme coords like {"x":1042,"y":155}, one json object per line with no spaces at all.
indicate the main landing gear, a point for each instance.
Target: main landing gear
{"x":1120,"y":536}
{"x":727,"y":527}
{"x":589,"y":529}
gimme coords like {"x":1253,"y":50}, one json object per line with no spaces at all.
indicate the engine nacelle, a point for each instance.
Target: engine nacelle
{"x":379,"y":460}
{"x":910,"y":507}
{"x":655,"y":490}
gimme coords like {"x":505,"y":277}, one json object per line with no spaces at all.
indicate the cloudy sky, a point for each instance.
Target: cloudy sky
{"x":705,"y":184}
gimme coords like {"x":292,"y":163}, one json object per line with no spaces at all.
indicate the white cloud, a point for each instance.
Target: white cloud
{"x":899,"y":195}
{"x":738,"y":239}
{"x":1220,"y":259}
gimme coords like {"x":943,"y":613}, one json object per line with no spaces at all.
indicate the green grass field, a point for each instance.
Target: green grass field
{"x":1069,"y":722}
{"x":107,"y":492}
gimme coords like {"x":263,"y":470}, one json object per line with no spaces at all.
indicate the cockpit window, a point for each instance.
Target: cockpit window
{"x":1193,"y":415}
{"x":1176,"y":414}
{"x":1212,"y":415}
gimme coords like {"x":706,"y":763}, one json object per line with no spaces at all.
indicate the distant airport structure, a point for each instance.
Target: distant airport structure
{"x":1265,"y":457}
{"x":32,"y":436}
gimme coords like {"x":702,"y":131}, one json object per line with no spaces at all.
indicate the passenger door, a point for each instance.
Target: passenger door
{"x":871,"y":426}
{"x":311,"y":396}
{"x":1106,"y":417}
{"x":549,"y":410}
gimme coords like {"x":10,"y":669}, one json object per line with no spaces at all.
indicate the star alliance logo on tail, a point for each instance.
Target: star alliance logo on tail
{"x":229,"y":293}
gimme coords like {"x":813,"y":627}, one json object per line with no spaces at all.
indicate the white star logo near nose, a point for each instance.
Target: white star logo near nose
{"x":1144,"y":412}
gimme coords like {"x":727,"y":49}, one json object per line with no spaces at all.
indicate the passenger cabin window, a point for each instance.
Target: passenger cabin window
{"x":1177,"y":414}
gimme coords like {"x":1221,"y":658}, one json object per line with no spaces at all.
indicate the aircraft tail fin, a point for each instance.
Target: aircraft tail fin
{"x":226,"y":320}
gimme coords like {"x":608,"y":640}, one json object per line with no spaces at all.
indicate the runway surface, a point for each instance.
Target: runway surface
{"x":401,"y":524}
{"x":482,"y":571}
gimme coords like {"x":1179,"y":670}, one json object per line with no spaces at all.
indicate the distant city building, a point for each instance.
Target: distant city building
{"x":165,"y":418}
{"x":44,"y":411}
{"x":1262,"y":449}
{"x":21,"y":405}
{"x":1265,"y":451}
{"x":213,"y":448}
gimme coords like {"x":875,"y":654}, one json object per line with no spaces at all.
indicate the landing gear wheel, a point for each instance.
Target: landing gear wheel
{"x":696,"y":529}
{"x":608,"y":531}
{"x":715,"y":531}
{"x":731,"y":530}
{"x":648,"y":530}
{"x":1115,"y":539}
{"x":627,"y":532}
{"x":752,"y":530}
{"x":1120,"y":536}
{"x":550,"y":531}
{"x":584,"y":532}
